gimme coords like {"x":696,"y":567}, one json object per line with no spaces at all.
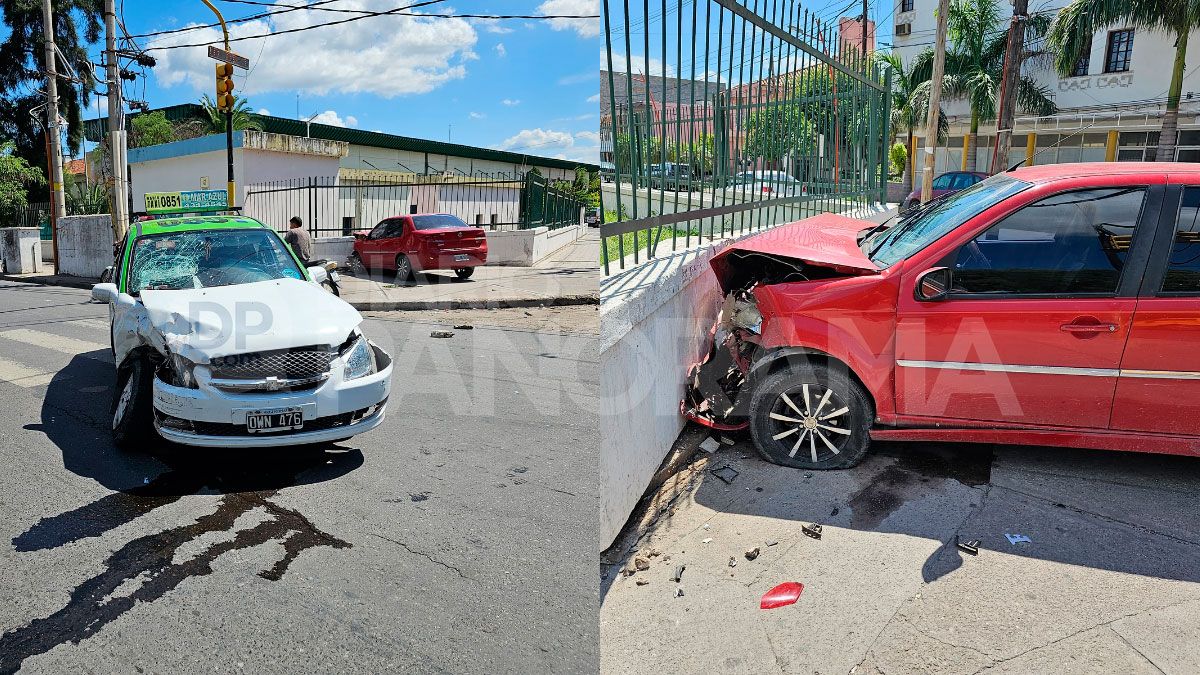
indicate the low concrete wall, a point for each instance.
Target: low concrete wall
{"x":85,"y":245}
{"x":20,"y":251}
{"x":523,"y":248}
{"x":337,"y":249}
{"x":47,"y":250}
{"x":654,"y":323}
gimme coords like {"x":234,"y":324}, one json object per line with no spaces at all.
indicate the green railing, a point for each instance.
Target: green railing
{"x":725,"y":116}
{"x":544,"y":205}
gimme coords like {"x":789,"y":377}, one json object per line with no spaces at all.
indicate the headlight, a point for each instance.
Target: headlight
{"x":181,"y":370}
{"x":360,"y":359}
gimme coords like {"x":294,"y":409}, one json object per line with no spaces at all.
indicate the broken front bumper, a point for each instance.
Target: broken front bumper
{"x":211,"y":417}
{"x":717,"y":395}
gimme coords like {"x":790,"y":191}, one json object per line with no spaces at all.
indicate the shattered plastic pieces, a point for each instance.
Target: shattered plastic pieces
{"x":1015,"y":539}
{"x":971,"y":547}
{"x":812,"y":530}
{"x":752,"y":553}
{"x":726,"y":473}
{"x":678,"y":573}
{"x":441,"y":334}
{"x":710,"y":445}
{"x":784,"y":594}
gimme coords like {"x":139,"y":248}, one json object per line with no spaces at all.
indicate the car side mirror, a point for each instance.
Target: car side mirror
{"x":933,"y":285}
{"x":318,"y":274}
{"x":106,"y":293}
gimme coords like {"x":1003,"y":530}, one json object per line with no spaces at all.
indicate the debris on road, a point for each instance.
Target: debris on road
{"x":971,"y":547}
{"x":771,"y":542}
{"x":710,"y":445}
{"x":726,"y":473}
{"x":641,"y":564}
{"x":1015,"y":539}
{"x":705,"y":540}
{"x":784,"y":594}
{"x":641,"y":581}
{"x":464,"y":326}
{"x":679,"y":592}
{"x":752,"y":553}
{"x":441,"y":334}
{"x":678,"y":573}
{"x":812,"y":530}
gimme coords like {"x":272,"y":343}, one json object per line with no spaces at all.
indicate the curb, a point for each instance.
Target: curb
{"x":365,"y":306}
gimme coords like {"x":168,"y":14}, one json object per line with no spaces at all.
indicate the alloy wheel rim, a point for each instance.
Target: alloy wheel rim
{"x":811,"y":419}
{"x":123,"y":402}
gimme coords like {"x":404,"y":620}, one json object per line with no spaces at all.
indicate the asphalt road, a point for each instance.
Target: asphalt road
{"x":1102,"y":575}
{"x":459,"y":537}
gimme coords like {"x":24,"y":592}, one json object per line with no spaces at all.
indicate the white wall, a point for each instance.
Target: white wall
{"x":85,"y":245}
{"x":184,"y":173}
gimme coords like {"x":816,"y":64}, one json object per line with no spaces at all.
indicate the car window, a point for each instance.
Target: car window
{"x":437,"y":221}
{"x":921,"y":229}
{"x":942,"y":182}
{"x":1183,"y":265}
{"x":377,"y":232}
{"x":961,"y":181}
{"x":395,"y":228}
{"x":1071,"y":243}
{"x":208,"y":258}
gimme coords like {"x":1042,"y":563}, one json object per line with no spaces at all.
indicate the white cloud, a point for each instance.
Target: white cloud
{"x":587,"y":28}
{"x":476,"y":115}
{"x":331,"y":118}
{"x":619,"y":65}
{"x":594,"y":98}
{"x":494,"y":26}
{"x":388,"y":56}
{"x":579,"y":78}
{"x":500,"y":50}
{"x":511,"y":101}
{"x":551,"y":143}
{"x":264,"y":111}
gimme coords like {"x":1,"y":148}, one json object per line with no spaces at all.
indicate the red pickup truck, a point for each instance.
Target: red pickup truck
{"x":421,"y":242}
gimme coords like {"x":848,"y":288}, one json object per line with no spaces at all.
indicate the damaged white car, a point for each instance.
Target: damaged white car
{"x":222,"y":339}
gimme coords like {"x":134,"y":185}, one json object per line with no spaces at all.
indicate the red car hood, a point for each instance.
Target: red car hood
{"x":827,"y":240}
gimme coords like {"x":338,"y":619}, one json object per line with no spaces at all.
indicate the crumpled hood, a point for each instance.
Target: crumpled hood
{"x":828,"y":240}
{"x":208,"y":323}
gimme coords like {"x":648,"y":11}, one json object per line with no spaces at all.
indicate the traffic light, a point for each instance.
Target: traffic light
{"x":224,"y":87}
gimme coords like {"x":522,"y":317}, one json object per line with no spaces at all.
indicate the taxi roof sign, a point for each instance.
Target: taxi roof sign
{"x":187,"y":201}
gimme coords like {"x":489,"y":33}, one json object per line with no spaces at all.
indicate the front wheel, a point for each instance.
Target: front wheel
{"x":404,"y":269}
{"x":810,"y":416}
{"x":464,"y":272}
{"x":132,"y":409}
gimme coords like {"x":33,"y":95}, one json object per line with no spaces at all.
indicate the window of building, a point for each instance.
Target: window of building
{"x":1120,"y":49}
{"x":906,"y":5}
{"x":1084,"y":62}
{"x":1073,"y":243}
{"x":903,"y":29}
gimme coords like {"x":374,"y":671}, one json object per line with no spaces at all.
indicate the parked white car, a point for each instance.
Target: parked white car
{"x":222,"y":339}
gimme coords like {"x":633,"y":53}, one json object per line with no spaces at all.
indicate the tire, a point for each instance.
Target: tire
{"x":848,"y":431}
{"x":404,"y":269}
{"x":133,"y":408}
{"x":357,"y":266}
{"x":464,"y":273}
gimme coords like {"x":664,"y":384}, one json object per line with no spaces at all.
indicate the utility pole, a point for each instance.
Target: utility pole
{"x":116,"y":125}
{"x":56,"y":170}
{"x":225,"y":102}
{"x":864,"y":32}
{"x":935,"y":100}
{"x":1007,"y":109}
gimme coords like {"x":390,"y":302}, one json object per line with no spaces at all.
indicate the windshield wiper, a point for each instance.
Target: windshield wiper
{"x":906,"y":223}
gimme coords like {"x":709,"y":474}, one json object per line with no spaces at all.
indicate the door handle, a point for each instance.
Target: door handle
{"x":1080,"y":328}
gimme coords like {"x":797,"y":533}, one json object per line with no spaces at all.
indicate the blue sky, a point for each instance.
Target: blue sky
{"x":526,"y":85}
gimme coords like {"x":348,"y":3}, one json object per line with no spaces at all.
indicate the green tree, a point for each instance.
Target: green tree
{"x":214,"y":120}
{"x":898,"y":160}
{"x":643,"y":152}
{"x":910,"y":106}
{"x":1070,"y":38}
{"x":16,"y":177}
{"x":77,"y":24}
{"x":975,"y":64}
{"x":150,"y":129}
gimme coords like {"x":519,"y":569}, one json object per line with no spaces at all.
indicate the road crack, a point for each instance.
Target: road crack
{"x":423,"y":554}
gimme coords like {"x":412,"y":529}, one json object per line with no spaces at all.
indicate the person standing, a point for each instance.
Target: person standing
{"x":298,"y":239}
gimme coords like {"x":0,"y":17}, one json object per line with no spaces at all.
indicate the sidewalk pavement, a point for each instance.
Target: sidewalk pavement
{"x":570,"y":276}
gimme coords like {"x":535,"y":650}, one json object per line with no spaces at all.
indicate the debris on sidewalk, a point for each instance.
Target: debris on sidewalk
{"x":678,"y":573}
{"x":1015,"y":539}
{"x":464,"y":326}
{"x":812,"y":530}
{"x":752,"y":553}
{"x":679,"y":592}
{"x":726,"y":473}
{"x":710,"y":445}
{"x":727,"y":440}
{"x":641,"y":564}
{"x":971,"y":547}
{"x":705,"y":540}
{"x":732,"y":561}
{"x":772,"y":542}
{"x":441,"y":334}
{"x":641,"y":581}
{"x":784,"y":594}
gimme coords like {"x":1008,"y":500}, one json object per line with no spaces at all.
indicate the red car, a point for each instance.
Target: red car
{"x":421,"y":242}
{"x":945,"y":184}
{"x":1054,"y":305}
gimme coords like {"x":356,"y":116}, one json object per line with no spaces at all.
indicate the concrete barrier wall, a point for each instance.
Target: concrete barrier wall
{"x":337,"y":249}
{"x":523,"y":248}
{"x":85,"y":245}
{"x":20,"y":251}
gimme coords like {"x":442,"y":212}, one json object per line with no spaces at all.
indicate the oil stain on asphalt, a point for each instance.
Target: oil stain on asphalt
{"x":917,"y":471}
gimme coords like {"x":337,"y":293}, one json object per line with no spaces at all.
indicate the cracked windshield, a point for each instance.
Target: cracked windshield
{"x":208,"y":258}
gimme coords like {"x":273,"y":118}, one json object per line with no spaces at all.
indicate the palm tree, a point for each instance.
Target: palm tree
{"x":214,"y":119}
{"x":1070,"y":38}
{"x":975,"y":64}
{"x":910,"y":106}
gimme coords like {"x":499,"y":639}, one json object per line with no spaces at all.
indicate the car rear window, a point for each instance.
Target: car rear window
{"x":437,"y":221}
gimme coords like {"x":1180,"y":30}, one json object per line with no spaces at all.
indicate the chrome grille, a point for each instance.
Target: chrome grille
{"x":305,"y":362}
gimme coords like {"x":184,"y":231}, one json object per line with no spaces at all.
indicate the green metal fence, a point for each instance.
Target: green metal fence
{"x":725,"y":116}
{"x":543,"y":205}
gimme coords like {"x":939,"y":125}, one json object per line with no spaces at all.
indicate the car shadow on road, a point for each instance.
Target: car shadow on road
{"x":1087,"y":508}
{"x":145,"y":480}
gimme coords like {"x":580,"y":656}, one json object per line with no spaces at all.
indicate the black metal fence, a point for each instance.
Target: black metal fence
{"x":331,"y":206}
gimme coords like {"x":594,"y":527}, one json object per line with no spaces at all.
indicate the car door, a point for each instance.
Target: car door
{"x":1160,"y":370}
{"x":1040,"y":302}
